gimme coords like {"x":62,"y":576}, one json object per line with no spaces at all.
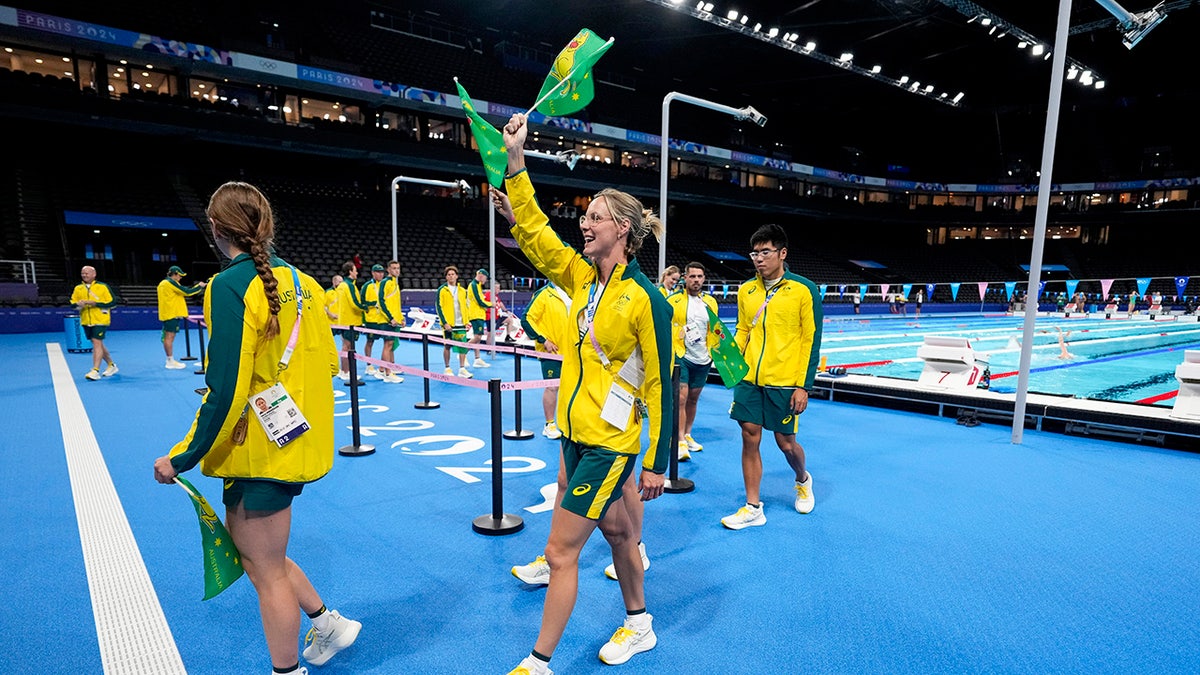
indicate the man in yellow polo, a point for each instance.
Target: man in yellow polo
{"x":173,"y":310}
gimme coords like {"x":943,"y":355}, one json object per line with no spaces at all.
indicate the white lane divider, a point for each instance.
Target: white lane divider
{"x":131,"y":628}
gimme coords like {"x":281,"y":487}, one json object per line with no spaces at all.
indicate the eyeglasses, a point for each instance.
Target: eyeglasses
{"x":755,"y":255}
{"x":596,"y":218}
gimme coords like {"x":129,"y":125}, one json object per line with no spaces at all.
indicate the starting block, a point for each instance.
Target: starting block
{"x":950,"y":363}
{"x":1069,"y":309}
{"x":1187,"y":401}
{"x":1110,"y":309}
{"x":1155,"y":310}
{"x":423,"y":322}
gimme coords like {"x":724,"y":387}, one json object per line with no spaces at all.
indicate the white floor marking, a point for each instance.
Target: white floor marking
{"x":130,"y":626}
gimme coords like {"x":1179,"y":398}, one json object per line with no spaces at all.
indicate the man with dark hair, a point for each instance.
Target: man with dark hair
{"x":692,"y":339}
{"x":779,"y":332}
{"x":452,"y":313}
{"x":351,"y":312}
{"x":375,"y":318}
{"x":389,"y":302}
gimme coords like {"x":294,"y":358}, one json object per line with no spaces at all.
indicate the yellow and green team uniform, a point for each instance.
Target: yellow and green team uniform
{"x":240,"y":362}
{"x":546,"y":319}
{"x":453,"y":325}
{"x":374,"y":317}
{"x":695,"y":373}
{"x":390,"y":303}
{"x":781,"y":343}
{"x":172,"y":303}
{"x":95,"y":319}
{"x":351,"y":309}
{"x":630,"y":313}
{"x":477,"y":308}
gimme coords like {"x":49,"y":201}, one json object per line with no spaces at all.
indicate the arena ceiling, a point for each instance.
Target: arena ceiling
{"x":822,"y":113}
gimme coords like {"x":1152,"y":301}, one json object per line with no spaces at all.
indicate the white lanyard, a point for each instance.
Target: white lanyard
{"x":291,"y":345}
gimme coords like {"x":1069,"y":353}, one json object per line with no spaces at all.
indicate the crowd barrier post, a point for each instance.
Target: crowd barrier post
{"x":497,"y":522}
{"x":356,"y":449}
{"x":200,"y":341}
{"x":674,"y":484}
{"x":518,"y":434}
{"x":426,"y":404}
{"x":352,"y":366}
{"x":187,"y":340}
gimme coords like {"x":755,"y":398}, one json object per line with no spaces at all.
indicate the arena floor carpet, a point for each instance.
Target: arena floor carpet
{"x":933,"y":548}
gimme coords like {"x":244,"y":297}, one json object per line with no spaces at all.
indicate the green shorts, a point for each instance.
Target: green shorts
{"x":594,"y":478}
{"x":95,"y":332}
{"x":458,"y":335}
{"x":350,"y":334}
{"x":551,"y":369}
{"x":171,"y":326}
{"x":259,"y":495}
{"x":768,"y":407}
{"x":693,"y":376}
{"x":371,"y":337}
{"x":479,"y":327}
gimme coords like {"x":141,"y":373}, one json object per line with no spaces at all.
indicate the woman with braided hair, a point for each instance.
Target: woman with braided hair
{"x":269,"y":337}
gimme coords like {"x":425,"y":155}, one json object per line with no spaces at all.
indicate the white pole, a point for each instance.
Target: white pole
{"x":460,"y":184}
{"x":664,"y":166}
{"x":1043,"y":208}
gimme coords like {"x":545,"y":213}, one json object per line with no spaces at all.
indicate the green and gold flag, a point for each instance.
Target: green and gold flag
{"x":570,"y":87}
{"x":222,"y":562}
{"x":725,"y":354}
{"x":488,"y":138}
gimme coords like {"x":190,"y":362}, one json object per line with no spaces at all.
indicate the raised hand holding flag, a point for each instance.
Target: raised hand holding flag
{"x":570,"y":87}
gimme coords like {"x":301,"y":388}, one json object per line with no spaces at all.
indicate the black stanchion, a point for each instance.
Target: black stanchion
{"x":352,"y":366}
{"x":674,"y":484}
{"x":187,"y":341}
{"x":426,"y":404}
{"x":497,"y":522}
{"x":200,"y":341}
{"x":356,"y":449}
{"x":518,"y":434}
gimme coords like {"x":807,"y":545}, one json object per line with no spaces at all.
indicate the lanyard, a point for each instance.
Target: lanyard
{"x":770,"y":294}
{"x":291,"y":345}
{"x":589,"y":315}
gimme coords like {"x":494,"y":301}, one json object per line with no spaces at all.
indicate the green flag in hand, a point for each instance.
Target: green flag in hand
{"x":570,"y":86}
{"x":222,"y":562}
{"x":488,"y":138}
{"x":725,"y":354}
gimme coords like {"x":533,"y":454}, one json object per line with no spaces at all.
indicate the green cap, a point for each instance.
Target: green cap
{"x":175,"y":270}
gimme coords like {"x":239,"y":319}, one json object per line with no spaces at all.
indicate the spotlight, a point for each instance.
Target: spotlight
{"x":1037,"y":50}
{"x":1072,"y":73}
{"x":876,"y":69}
{"x":810,"y":45}
{"x":973,"y":19}
{"x":929,"y":89}
{"x":773,"y":32}
{"x":1022,"y":44}
{"x":757,"y":27}
{"x":744,"y":19}
{"x":903,"y":79}
{"x":1099,"y":84}
{"x":958,"y":97}
{"x":985,"y":21}
{"x":732,"y":15}
{"x":846,"y":57}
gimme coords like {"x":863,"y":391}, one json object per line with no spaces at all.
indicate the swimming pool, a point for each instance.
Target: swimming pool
{"x":1124,"y":360}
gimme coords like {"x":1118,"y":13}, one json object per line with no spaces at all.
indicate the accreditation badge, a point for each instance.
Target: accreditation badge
{"x":278,"y":414}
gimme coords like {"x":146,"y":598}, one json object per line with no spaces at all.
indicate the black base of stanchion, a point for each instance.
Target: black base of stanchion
{"x":679,"y":485}
{"x":359,"y":383}
{"x":357,"y":450}
{"x":198,"y":371}
{"x":427,"y":405}
{"x":187,"y":358}
{"x":507,"y":524}
{"x":518,"y":434}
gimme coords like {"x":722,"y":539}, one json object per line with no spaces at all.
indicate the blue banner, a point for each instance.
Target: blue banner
{"x":822,"y":288}
{"x":954,"y":290}
{"x":125,"y":220}
{"x":1009,"y":287}
{"x":929,"y":290}
{"x":1071,"y":285}
{"x":906,"y":289}
{"x":1180,"y":286}
{"x":1142,"y":283}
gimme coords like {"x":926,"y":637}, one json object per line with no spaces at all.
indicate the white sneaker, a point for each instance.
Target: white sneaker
{"x":747,"y":516}
{"x":321,"y":646}
{"x":463,"y":372}
{"x":172,"y":364}
{"x":344,"y":375}
{"x":531,"y":666}
{"x":551,"y":431}
{"x":480,"y":363}
{"x":449,"y":370}
{"x":692,"y":444}
{"x":393,"y":378}
{"x":370,"y":369}
{"x":684,"y":455}
{"x":379,"y":374}
{"x":627,"y":641}
{"x":611,"y":570}
{"x":93,"y":374}
{"x":804,"y":495}
{"x":111,"y":370}
{"x":536,"y":573}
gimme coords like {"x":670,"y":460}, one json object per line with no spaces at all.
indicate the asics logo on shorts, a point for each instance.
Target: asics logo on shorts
{"x":582,"y":490}
{"x":787,"y":420}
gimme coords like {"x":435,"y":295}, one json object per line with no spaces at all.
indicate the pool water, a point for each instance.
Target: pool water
{"x":1126,"y":360}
